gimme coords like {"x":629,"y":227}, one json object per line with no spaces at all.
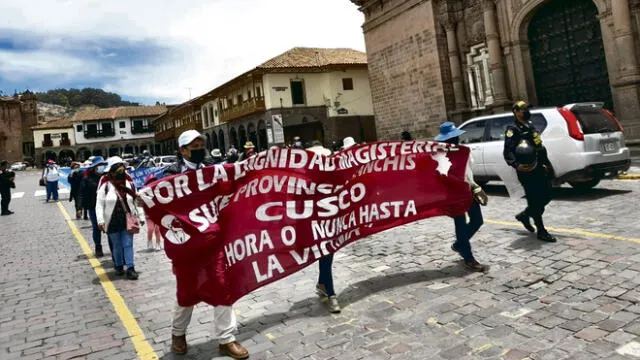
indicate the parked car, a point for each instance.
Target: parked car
{"x":18,"y":166}
{"x":165,"y":160}
{"x":585,"y":143}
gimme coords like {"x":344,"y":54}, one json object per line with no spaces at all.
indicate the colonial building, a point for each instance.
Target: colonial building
{"x":104,"y":132}
{"x":17,"y":115}
{"x":54,"y":140}
{"x":173,"y":122}
{"x":317,"y":94}
{"x":432,"y":60}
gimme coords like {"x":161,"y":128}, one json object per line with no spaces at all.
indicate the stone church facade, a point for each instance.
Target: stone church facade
{"x":433,"y":60}
{"x":17,"y":115}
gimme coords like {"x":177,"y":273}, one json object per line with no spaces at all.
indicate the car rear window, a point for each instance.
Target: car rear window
{"x":169,"y":160}
{"x":595,"y":121}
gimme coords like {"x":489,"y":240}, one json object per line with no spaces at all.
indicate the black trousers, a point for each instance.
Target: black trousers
{"x":6,"y":199}
{"x":537,"y":189}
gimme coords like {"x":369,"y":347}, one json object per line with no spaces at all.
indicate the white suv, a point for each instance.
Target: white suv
{"x":584,"y":142}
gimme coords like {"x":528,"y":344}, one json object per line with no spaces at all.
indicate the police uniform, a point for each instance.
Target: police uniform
{"x":521,"y":138}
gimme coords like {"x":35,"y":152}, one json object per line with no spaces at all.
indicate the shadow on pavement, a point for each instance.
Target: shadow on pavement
{"x":353,"y":293}
{"x":562,"y":193}
{"x":313,"y":307}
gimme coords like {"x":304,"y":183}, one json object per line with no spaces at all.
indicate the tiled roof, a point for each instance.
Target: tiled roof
{"x":119,"y":112}
{"x":300,"y":57}
{"x":54,"y":124}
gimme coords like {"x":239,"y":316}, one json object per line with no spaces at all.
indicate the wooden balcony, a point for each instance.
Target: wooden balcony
{"x":99,"y":133}
{"x":65,"y":142}
{"x":47,"y":143}
{"x":165,"y":135}
{"x":247,"y":107}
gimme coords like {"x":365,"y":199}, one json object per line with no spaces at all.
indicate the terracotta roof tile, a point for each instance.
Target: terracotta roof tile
{"x":300,"y":57}
{"x":55,"y":124}
{"x":119,"y":112}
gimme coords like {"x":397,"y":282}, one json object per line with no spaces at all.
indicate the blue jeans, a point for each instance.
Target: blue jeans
{"x":326,"y":277}
{"x":52,"y":189}
{"x":122,"y":244}
{"x":465,"y":231}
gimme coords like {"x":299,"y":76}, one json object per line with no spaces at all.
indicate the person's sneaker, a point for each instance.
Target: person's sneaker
{"x":476,"y":266}
{"x":119,"y":271}
{"x":99,"y":253}
{"x":545,"y":236}
{"x":524,"y":219}
{"x":149,"y":245}
{"x":321,"y":290}
{"x":234,"y":350}
{"x":78,"y":215}
{"x":132,"y":274}
{"x":179,"y":344}
{"x":334,"y":306}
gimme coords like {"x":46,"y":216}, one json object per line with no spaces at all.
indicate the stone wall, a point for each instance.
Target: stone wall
{"x":11,"y":131}
{"x":405,"y":69}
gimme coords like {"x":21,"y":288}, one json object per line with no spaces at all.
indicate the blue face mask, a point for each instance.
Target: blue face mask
{"x":101,"y":169}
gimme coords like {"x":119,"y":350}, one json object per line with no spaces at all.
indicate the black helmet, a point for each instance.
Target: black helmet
{"x":526,"y":153}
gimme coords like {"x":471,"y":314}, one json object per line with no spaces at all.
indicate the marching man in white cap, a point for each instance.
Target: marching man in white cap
{"x":193,"y":151}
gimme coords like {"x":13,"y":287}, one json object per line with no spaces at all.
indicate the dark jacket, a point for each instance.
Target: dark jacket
{"x":89,"y":189}
{"x":6,"y":184}
{"x":517,"y":132}
{"x":176,"y":167}
{"x":75,"y":180}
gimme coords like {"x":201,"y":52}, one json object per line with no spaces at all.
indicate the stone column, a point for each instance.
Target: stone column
{"x":623,"y":35}
{"x":454,"y":63}
{"x":495,"y":52}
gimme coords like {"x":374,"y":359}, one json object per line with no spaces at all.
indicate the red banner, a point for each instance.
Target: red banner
{"x":232,"y":229}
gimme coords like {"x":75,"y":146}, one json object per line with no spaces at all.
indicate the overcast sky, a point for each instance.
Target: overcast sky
{"x":149,"y":50}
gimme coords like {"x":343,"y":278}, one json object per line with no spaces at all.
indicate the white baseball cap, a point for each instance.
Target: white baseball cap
{"x":188,"y":136}
{"x":348,"y":142}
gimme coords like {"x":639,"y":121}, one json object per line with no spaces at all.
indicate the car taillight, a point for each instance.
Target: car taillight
{"x":575,"y":131}
{"x":610,"y":115}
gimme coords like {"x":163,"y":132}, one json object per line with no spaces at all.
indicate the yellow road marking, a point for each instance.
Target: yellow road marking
{"x":269,"y":336}
{"x":569,"y":231}
{"x":389,"y":302}
{"x":482,"y":348}
{"x":142,"y":346}
{"x":629,"y":177}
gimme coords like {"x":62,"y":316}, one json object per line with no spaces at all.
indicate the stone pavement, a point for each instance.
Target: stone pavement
{"x":404,"y":292}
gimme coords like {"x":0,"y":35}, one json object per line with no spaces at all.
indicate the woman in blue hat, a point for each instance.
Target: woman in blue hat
{"x":465,"y":231}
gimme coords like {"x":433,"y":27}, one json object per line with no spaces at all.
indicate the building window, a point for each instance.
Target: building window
{"x":107,"y":128}
{"x":297,"y":92}
{"x":479,"y":80}
{"x":248,"y":94}
{"x":79,"y":128}
{"x":240,"y":99}
{"x":122,"y":125}
{"x":347,"y":84}
{"x":258,"y":93}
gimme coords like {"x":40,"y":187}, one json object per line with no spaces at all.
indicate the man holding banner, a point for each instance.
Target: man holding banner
{"x":192,"y":149}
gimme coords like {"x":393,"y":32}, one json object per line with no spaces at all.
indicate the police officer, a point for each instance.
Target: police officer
{"x":523,"y":150}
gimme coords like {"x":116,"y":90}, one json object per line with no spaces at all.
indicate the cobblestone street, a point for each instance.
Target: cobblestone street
{"x":404,"y":292}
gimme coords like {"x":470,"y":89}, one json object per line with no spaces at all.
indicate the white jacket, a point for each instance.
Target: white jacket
{"x":106,"y":202}
{"x":51,"y":173}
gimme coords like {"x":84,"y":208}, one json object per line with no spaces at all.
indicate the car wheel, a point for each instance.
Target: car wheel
{"x":584,"y":185}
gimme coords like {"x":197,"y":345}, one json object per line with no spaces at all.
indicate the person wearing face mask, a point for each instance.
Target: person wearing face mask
{"x":193,"y":152}
{"x":465,"y":230}
{"x":523,"y":150}
{"x":88,"y":193}
{"x":115,"y":200}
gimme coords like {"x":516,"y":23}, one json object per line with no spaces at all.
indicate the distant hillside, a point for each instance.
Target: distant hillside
{"x":88,"y":96}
